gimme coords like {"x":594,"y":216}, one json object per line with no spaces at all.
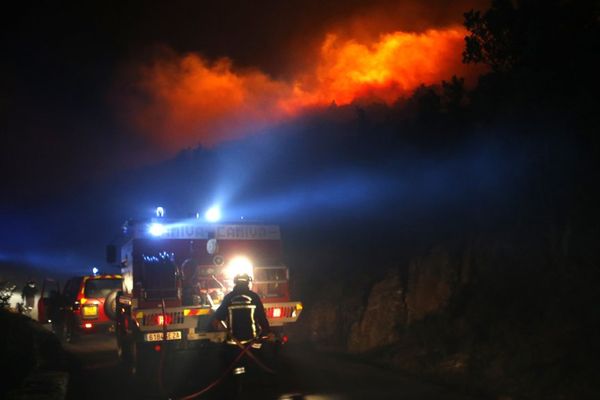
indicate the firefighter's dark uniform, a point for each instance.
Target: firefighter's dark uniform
{"x":246,"y":319}
{"x":245,"y":314}
{"x":28,"y":294}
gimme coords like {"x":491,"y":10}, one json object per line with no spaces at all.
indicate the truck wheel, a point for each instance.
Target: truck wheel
{"x":144,"y":371}
{"x":131,"y":360}
{"x":110,"y":305}
{"x":126,"y":355}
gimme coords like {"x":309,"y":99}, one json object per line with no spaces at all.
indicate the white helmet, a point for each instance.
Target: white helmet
{"x":242,"y":278}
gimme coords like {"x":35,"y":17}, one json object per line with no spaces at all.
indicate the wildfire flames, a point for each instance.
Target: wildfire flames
{"x":385,"y":71}
{"x":190,"y":100}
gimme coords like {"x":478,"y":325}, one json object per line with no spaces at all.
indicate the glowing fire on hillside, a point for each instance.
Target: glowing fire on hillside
{"x":382,"y":71}
{"x":190,"y":100}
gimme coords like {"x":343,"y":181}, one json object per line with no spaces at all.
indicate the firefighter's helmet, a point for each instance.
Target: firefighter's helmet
{"x":242,"y":279}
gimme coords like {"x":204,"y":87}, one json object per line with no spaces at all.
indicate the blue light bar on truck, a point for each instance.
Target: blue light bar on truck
{"x":213,"y":214}
{"x":196,"y":229}
{"x":157,"y":229}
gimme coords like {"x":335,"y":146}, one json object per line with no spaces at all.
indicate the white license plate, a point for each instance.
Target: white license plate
{"x":158,"y":336}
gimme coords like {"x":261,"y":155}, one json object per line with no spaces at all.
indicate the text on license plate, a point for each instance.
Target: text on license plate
{"x":154,"y":337}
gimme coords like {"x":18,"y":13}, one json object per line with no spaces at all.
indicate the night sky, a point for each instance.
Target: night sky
{"x":99,"y":99}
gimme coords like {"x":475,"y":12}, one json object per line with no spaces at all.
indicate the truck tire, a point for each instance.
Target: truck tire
{"x":110,"y":305}
{"x":126,"y":355}
{"x":137,"y":365}
{"x":145,"y":371}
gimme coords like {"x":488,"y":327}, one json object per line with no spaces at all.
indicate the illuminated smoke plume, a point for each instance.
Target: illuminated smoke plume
{"x":189,"y":100}
{"x":385,"y":70}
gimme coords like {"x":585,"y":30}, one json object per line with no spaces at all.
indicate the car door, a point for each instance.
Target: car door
{"x":50,"y":288}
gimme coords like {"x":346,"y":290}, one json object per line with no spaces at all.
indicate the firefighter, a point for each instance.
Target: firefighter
{"x":28,"y":294}
{"x":243,"y":312}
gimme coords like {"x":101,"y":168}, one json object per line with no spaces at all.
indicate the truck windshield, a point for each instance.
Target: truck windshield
{"x":160,"y":278}
{"x":100,"y":288}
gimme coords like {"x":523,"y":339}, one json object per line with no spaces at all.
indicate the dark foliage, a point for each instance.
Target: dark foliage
{"x":527,"y":319}
{"x":25,"y":345}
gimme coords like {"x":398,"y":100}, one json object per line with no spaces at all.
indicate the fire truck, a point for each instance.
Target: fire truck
{"x":176,"y":273}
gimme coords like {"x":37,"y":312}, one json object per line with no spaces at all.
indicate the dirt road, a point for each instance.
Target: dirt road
{"x":307,"y":374}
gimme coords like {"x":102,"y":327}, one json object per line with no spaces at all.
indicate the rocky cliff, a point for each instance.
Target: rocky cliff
{"x":506,"y":316}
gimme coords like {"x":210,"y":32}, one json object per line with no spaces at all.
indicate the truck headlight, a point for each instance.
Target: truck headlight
{"x":239,"y":265}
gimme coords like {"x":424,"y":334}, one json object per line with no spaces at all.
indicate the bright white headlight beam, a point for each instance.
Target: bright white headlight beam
{"x":157,"y":229}
{"x":213,"y":214}
{"x":239,"y":265}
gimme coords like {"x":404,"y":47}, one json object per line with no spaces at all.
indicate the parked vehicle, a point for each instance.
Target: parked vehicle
{"x":50,"y":291}
{"x":85,"y":306}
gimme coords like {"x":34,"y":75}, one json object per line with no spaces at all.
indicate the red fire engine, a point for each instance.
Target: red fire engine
{"x":175,"y":274}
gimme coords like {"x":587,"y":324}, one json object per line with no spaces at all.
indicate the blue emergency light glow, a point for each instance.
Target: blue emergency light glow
{"x":213,"y":214}
{"x":157,"y":229}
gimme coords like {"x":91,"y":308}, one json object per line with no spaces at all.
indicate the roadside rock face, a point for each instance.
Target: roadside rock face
{"x":497,"y":315}
{"x":393,"y":305}
{"x":323,"y":320}
{"x":431,"y":281}
{"x":384,"y":315}
{"x":330,"y":320}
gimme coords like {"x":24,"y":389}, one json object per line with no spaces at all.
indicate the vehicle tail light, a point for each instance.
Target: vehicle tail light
{"x":163,"y":319}
{"x":279,"y":312}
{"x":158,"y":319}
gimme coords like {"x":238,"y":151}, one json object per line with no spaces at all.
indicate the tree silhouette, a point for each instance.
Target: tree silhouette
{"x":453,"y":94}
{"x":536,"y":35}
{"x":492,"y":38}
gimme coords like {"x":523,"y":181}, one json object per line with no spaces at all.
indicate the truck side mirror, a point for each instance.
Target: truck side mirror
{"x":111,"y":254}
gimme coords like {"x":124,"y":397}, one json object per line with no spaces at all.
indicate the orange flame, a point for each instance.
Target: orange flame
{"x":385,"y":71}
{"x":194,"y":101}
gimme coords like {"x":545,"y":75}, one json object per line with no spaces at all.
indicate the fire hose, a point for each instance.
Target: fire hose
{"x":162,"y":349}
{"x":244,"y":350}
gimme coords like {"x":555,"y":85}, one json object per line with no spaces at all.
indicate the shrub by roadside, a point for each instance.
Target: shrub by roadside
{"x":27,"y":349}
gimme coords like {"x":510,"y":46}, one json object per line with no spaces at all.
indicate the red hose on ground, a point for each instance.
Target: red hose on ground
{"x":217,"y":381}
{"x":253,"y":357}
{"x":163,"y":348}
{"x":244,"y":350}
